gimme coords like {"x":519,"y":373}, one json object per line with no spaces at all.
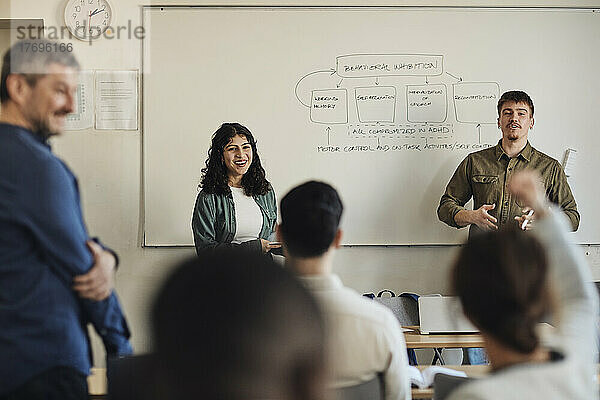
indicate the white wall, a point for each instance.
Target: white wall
{"x":108,"y":166}
{"x":4,"y":8}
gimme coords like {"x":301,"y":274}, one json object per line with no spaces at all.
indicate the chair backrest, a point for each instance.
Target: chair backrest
{"x":444,"y":384}
{"x":132,"y":378}
{"x":370,"y":390}
{"x":405,"y":308}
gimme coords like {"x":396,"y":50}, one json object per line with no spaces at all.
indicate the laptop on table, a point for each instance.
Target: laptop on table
{"x":443,"y":314}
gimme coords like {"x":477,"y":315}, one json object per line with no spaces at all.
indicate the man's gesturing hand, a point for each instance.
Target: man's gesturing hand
{"x":479,"y":217}
{"x":98,"y":282}
{"x":482,"y":219}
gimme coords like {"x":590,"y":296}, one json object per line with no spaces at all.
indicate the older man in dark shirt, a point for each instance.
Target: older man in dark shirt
{"x":49,"y":267}
{"x":483,"y":175}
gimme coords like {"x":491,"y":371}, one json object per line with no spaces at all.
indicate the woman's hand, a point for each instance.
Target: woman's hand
{"x":267,"y":246}
{"x":527,"y":186}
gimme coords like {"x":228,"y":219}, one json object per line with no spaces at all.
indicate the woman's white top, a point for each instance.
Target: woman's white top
{"x":248,"y":217}
{"x":575,"y":335}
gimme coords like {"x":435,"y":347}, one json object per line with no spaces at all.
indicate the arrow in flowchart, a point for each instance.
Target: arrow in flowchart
{"x":328,"y":129}
{"x":455,"y":77}
{"x":340,"y":82}
{"x":426,"y":80}
{"x":377,"y":80}
{"x":479,"y":131}
{"x":331,"y":71}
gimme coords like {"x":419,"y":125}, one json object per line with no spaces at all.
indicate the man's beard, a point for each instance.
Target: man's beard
{"x":42,"y":128}
{"x":512,"y":136}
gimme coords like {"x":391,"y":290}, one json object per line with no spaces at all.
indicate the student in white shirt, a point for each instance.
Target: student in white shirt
{"x":508,"y":281}
{"x":364,"y":338}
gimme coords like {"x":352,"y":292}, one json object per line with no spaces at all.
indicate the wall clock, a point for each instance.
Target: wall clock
{"x":88,"y":19}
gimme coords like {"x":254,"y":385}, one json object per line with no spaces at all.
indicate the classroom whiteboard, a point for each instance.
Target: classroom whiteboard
{"x":381,"y":102}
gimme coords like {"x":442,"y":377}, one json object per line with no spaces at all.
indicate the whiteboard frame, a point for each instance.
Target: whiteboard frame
{"x":145,"y":8}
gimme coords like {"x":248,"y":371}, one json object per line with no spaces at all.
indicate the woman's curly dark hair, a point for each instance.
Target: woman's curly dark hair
{"x":214,"y":175}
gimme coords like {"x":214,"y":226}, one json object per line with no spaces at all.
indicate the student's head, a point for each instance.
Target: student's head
{"x":37,"y":85}
{"x":232,"y":154}
{"x":310,"y":218}
{"x":234,"y":325}
{"x":501,"y":280}
{"x":515,"y":115}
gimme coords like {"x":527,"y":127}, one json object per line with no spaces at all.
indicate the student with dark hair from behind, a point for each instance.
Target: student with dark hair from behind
{"x":506,"y":281}
{"x":364,"y":338}
{"x":234,"y":325}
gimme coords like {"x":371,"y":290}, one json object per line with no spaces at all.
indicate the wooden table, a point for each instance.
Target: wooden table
{"x":414,"y":340}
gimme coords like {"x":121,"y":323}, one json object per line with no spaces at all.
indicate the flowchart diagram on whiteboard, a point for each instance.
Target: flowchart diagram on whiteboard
{"x":349,"y":109}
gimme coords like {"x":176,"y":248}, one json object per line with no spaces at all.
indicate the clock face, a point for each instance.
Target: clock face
{"x":88,"y":19}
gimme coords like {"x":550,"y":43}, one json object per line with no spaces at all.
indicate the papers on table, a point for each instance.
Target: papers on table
{"x":424,"y":379}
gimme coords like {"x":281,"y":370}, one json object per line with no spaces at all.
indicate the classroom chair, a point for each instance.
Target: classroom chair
{"x":444,"y":384}
{"x":132,"y":378}
{"x":406,"y":310}
{"x":370,"y":390}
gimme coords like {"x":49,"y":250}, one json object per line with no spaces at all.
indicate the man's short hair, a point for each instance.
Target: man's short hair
{"x":235,"y":325}
{"x":31,"y":59}
{"x":517,"y":96}
{"x":310,"y":217}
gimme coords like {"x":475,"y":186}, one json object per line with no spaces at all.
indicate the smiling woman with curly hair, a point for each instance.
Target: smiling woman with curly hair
{"x":236,"y":205}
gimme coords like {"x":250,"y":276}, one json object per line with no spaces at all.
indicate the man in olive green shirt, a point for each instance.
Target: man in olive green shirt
{"x":484,"y":174}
